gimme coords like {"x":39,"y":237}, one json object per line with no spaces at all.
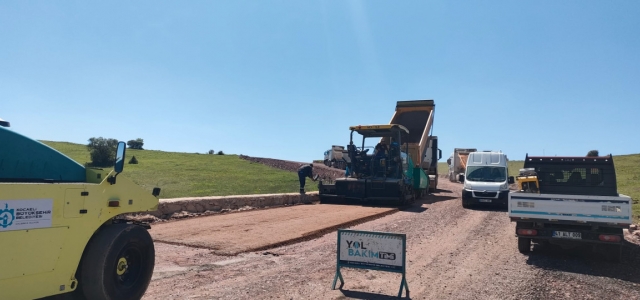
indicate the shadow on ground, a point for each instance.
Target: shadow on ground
{"x":415,"y":208}
{"x":488,"y":207}
{"x":367,"y":295}
{"x":434,"y":198}
{"x":582,"y":260}
{"x":385,"y":204}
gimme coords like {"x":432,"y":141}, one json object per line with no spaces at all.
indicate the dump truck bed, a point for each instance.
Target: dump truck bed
{"x":417,"y":117}
{"x":460,"y":157}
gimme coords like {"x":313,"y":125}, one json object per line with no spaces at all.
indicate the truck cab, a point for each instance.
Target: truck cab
{"x":486,"y":179}
{"x":334,"y":157}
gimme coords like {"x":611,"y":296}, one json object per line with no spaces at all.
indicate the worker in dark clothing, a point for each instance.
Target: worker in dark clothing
{"x":381,"y":149}
{"x":304,"y":172}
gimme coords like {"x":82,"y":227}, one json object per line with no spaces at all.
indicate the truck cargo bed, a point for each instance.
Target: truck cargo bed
{"x":578,"y":208}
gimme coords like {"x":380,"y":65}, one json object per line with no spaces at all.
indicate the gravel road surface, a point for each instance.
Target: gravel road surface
{"x":453,"y":253}
{"x":230,"y":234}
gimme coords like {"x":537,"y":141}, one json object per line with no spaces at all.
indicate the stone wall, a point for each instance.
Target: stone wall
{"x":179,"y":207}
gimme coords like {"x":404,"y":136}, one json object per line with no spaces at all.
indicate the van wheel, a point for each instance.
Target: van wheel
{"x":118,"y":263}
{"x":524,"y":245}
{"x":465,"y":204}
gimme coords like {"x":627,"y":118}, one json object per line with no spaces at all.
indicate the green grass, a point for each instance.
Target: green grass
{"x":192,"y":175}
{"x":627,"y":175}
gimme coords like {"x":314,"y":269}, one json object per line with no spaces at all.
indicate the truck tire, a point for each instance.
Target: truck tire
{"x":613,"y":253}
{"x":524,"y":245}
{"x":118,"y":263}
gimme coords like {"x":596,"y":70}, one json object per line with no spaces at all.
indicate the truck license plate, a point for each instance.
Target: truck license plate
{"x":485,"y":200}
{"x":567,"y":235}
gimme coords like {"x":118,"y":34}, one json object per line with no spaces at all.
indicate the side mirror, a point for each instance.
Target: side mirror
{"x":461,"y":178}
{"x":511,"y":180}
{"x":119,"y":163}
{"x":439,"y":154}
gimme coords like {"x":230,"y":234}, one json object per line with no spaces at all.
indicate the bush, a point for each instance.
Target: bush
{"x":103,"y":151}
{"x":133,"y":160}
{"x":136,"y":144}
{"x":593,"y":153}
{"x":220,"y":152}
{"x":212,"y":152}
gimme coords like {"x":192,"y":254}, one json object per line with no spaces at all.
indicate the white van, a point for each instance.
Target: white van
{"x":486,"y":179}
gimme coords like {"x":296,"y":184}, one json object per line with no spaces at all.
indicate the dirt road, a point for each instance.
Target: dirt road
{"x":453,"y":253}
{"x":230,"y":234}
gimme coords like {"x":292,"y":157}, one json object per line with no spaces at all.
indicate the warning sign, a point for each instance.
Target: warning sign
{"x":25,"y":214}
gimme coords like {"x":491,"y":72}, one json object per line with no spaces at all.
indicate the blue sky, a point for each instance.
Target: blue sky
{"x":285,"y":79}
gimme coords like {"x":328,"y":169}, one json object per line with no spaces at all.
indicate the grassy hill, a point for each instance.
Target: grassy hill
{"x":192,"y":175}
{"x":627,"y":175}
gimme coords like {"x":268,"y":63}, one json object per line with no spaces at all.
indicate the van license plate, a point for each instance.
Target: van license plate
{"x":567,"y":235}
{"x":485,"y":200}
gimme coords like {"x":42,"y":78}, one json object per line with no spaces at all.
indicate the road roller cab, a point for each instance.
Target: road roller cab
{"x":61,"y":225}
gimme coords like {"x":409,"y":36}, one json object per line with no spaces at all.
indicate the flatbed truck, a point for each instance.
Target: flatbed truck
{"x":570,"y":201}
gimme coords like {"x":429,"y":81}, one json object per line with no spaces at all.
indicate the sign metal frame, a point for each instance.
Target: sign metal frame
{"x":401,"y":270}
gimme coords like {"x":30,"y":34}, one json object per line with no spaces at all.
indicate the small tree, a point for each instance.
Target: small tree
{"x":136,"y":144}
{"x":220,"y":152}
{"x":212,"y":152}
{"x":133,"y":160}
{"x":103,"y":151}
{"x":593,"y":153}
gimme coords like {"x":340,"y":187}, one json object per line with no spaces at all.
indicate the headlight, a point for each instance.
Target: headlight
{"x":505,"y":186}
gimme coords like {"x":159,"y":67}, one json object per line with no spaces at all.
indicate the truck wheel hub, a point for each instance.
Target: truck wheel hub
{"x":122,"y":266}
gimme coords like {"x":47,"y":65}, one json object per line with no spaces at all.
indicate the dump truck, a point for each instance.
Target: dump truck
{"x":334,"y":157}
{"x":385,"y":176}
{"x":417,"y":116}
{"x":458,"y":162}
{"x":570,"y":201}
{"x":62,"y":229}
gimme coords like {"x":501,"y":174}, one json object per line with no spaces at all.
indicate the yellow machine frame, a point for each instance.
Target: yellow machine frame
{"x":43,"y":262}
{"x":528,"y":184}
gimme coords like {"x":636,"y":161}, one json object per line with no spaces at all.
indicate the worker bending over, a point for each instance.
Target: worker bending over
{"x":304,"y":172}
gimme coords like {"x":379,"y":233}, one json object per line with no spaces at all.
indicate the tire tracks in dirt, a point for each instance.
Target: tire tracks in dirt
{"x":452,"y":253}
